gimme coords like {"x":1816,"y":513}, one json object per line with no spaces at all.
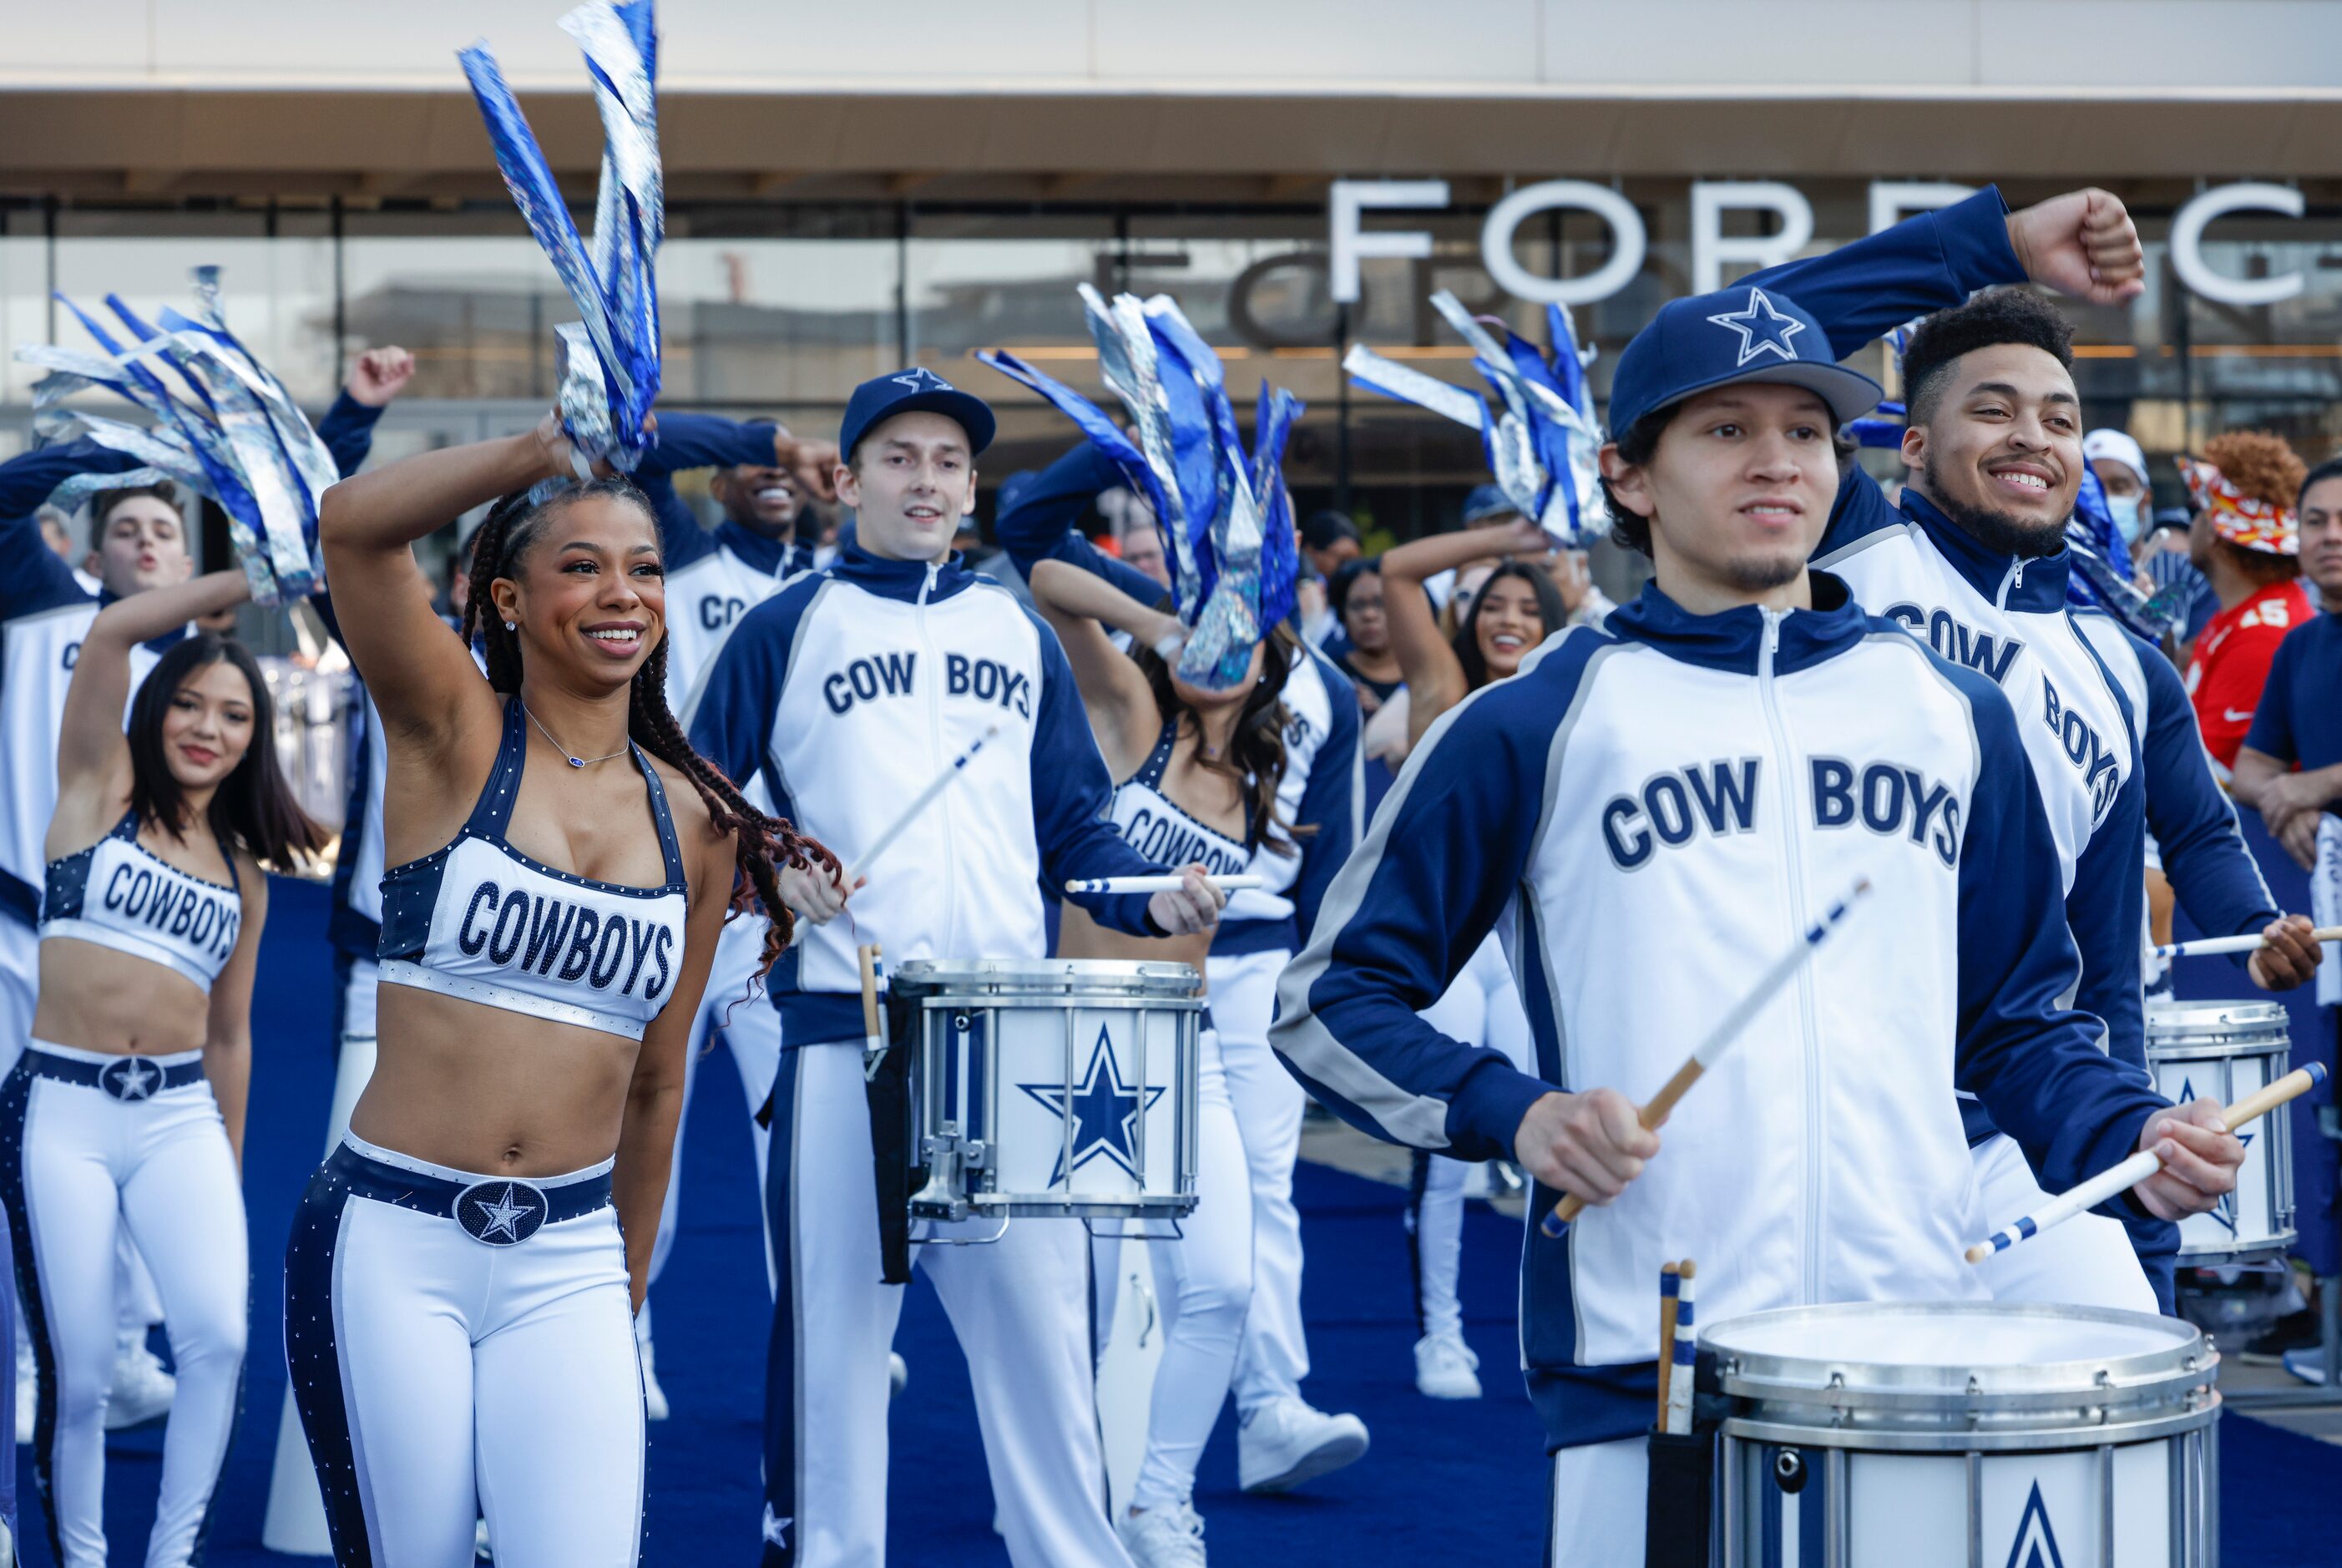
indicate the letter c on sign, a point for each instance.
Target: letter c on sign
{"x":1628,"y":237}
{"x":2187,"y":227}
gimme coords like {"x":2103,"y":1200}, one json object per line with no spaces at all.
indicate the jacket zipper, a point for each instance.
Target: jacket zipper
{"x":1785,"y":760}
{"x":2011,"y":581}
{"x":950,"y":943}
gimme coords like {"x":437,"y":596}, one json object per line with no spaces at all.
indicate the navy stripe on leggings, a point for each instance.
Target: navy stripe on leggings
{"x":313,"y":1358}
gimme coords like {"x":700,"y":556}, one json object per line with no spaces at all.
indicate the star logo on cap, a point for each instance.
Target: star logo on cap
{"x":500,"y":1214}
{"x":1762,"y":328}
{"x":1104,"y":1111}
{"x":919,"y":378}
{"x":130,"y":1079}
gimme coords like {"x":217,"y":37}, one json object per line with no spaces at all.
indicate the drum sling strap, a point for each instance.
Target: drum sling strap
{"x":894,"y":1168}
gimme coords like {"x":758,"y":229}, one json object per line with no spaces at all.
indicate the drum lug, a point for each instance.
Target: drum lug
{"x":942,"y":1198}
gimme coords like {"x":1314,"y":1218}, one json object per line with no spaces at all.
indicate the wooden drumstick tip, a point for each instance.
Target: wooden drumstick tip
{"x":1978,"y":1253}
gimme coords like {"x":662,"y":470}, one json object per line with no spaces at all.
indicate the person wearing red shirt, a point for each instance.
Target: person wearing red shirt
{"x":2245,"y":542}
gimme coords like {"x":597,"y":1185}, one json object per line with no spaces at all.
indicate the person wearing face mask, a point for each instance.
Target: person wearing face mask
{"x":126,"y":1108}
{"x":2121,"y":467}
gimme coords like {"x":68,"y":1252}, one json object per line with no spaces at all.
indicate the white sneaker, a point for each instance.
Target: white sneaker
{"x":1170,"y":1536}
{"x":654,"y":1396}
{"x":142,"y":1390}
{"x":28,"y":1391}
{"x":1284,"y":1442}
{"x":898,"y":1373}
{"x":1446,"y":1368}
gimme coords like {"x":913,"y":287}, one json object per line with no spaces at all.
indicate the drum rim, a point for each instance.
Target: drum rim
{"x":2209,"y":1045}
{"x":2156,"y":1428}
{"x":2252,"y":1009}
{"x":984,"y":977}
{"x":2135,"y":1379}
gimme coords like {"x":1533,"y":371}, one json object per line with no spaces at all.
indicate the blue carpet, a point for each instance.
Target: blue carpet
{"x":1445,"y":1481}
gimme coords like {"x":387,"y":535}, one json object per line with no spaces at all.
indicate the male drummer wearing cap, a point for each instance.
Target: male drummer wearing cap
{"x":1646,"y":815}
{"x":1973,"y":561}
{"x":850,"y":690}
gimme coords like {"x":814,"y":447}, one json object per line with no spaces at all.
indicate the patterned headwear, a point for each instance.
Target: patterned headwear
{"x":239,"y":439}
{"x":1542,"y":443}
{"x":610,"y":374}
{"x":1227,"y":522}
{"x":2245,"y":521}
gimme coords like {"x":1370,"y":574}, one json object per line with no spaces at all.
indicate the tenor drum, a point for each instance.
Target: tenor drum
{"x":1946,"y":1436}
{"x":1057,"y":1087}
{"x":2227,"y":1050}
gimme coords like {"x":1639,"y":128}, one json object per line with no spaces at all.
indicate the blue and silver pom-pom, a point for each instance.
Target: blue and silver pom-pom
{"x":610,"y":372}
{"x":228,"y":431}
{"x":1541,"y":439}
{"x":2102,"y":569}
{"x":1227,"y":522}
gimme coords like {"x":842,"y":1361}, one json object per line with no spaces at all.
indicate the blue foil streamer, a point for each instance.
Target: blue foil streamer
{"x":610,"y":374}
{"x":1226,"y":522}
{"x":231,"y":433}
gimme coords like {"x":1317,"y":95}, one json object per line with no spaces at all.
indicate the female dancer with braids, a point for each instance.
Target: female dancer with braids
{"x":462,"y":1271}
{"x":126,"y":1108}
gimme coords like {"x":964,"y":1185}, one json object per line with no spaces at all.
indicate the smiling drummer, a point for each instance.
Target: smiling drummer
{"x":1646,"y":814}
{"x":850,"y":690}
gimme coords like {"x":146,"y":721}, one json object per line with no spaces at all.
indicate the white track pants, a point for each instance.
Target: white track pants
{"x":138,"y":1144}
{"x":1267,"y":1101}
{"x":1600,"y":1496}
{"x":2088,"y":1261}
{"x":1020,"y":1307}
{"x":1203,"y":1282}
{"x":444,"y":1371}
{"x":1481,"y":1008}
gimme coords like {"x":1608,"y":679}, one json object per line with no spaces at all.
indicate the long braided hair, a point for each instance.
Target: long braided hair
{"x":762,"y":845}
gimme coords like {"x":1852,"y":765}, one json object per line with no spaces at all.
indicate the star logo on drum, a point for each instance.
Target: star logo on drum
{"x":2036,"y":1543}
{"x":1762,"y":328}
{"x":2225,"y":1213}
{"x":1103,"y":1109}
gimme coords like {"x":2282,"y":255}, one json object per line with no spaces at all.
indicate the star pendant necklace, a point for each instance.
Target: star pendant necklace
{"x":574,"y":760}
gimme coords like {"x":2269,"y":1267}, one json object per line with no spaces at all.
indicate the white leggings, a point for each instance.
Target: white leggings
{"x":1481,"y":1008}
{"x":461,"y":1345}
{"x":1203,"y":1280}
{"x":91,"y":1142}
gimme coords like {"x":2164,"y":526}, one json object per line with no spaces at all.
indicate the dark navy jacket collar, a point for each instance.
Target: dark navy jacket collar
{"x":902,"y":580}
{"x":1734,"y":640}
{"x":765,"y":554}
{"x":2040,"y":587}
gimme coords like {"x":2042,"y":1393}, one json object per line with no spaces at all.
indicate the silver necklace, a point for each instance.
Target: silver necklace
{"x":574,"y":760}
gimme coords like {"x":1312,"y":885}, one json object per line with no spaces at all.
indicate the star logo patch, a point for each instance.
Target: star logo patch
{"x":131,"y":1078}
{"x":919,"y":378}
{"x":1762,"y":329}
{"x":500,"y":1214}
{"x":2036,"y":1544}
{"x":1104,"y":1111}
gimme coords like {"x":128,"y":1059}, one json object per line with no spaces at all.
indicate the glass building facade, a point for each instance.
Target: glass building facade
{"x":779,"y":309}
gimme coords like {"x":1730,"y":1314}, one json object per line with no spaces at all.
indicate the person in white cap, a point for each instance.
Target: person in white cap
{"x":2121,"y":467}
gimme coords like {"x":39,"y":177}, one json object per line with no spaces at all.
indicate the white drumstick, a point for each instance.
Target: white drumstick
{"x":895,"y":829}
{"x":1161,"y":884}
{"x":2211,"y":946}
{"x":2140,"y":1166}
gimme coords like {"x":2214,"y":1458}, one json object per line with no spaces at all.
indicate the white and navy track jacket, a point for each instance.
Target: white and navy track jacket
{"x":1323,"y":792}
{"x":711,"y":578}
{"x":1647,"y":815}
{"x":852,"y":688}
{"x":44,"y":613}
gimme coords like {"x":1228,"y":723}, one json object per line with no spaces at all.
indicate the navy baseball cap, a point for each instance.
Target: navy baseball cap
{"x":1736,"y":334}
{"x":908,"y":391}
{"x":1488,"y":501}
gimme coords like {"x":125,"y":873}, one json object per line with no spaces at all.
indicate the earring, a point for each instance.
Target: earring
{"x":510,"y":626}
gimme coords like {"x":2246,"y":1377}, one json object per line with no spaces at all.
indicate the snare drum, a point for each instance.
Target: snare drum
{"x":1054,"y":1087}
{"x":1943,"y":1436}
{"x":2227,"y":1050}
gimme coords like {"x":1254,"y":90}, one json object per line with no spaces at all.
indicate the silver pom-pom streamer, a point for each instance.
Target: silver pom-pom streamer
{"x":610,"y":372}
{"x":1542,"y":443}
{"x":1225,"y":519}
{"x":229,"y":432}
